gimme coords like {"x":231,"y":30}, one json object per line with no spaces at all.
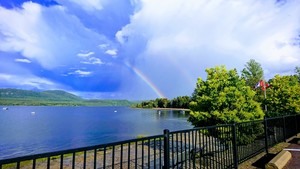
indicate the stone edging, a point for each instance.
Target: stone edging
{"x":280,"y":160}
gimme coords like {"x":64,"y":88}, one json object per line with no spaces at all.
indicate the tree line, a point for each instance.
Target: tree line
{"x":227,"y":97}
{"x":178,"y":102}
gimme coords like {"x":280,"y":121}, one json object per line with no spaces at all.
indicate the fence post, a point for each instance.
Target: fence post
{"x":297,"y":119}
{"x":296,"y":125}
{"x":284,"y":129}
{"x":166,"y":149}
{"x":234,"y":146}
{"x":266,"y":135}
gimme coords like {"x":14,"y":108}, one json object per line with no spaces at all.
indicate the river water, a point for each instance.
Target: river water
{"x":26,"y":130}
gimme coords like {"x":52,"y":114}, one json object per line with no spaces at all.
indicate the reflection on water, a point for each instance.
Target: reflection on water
{"x":55,"y":128}
{"x":170,"y":114}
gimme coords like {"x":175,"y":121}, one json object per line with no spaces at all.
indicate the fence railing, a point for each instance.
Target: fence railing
{"x":221,"y":146}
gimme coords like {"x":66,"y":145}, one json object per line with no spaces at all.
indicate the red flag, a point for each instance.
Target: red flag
{"x":264,"y":85}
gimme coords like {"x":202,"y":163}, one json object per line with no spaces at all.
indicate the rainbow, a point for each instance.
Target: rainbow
{"x":146,"y":80}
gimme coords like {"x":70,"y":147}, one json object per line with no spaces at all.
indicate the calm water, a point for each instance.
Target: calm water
{"x":28,"y":130}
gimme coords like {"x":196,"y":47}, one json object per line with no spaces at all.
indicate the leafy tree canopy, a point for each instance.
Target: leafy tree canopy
{"x":283,"y":97}
{"x":180,"y":102}
{"x":252,"y":73}
{"x":223,"y":98}
{"x":297,"y":71}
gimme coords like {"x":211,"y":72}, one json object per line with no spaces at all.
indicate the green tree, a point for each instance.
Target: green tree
{"x":297,"y":71}
{"x":252,"y":73}
{"x":223,"y":98}
{"x":162,"y":102}
{"x":180,"y":102}
{"x":283,"y":97}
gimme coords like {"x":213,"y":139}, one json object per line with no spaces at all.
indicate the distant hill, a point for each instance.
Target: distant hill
{"x":57,"y":95}
{"x":52,"y":97}
{"x":60,"y":95}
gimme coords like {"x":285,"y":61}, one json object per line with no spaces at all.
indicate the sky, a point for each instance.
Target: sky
{"x":141,"y":49}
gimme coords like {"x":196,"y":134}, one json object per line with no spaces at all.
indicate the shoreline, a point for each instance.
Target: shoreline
{"x":183,"y":109}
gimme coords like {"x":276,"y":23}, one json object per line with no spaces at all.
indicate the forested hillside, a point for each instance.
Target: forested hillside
{"x":52,"y":97}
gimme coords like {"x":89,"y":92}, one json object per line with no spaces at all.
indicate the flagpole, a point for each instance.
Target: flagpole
{"x":265,"y":93}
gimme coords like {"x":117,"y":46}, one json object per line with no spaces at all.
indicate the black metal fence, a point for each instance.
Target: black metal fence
{"x":222,"y":146}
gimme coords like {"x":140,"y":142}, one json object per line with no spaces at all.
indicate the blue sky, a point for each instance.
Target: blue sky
{"x":141,"y":49}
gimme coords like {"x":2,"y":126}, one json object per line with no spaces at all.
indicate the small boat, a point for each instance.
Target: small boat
{"x":5,"y":108}
{"x":33,"y":113}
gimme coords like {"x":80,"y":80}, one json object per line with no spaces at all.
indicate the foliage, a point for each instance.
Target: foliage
{"x":51,"y":98}
{"x":247,"y":132}
{"x":297,"y":71}
{"x":163,"y":102}
{"x":178,"y":102}
{"x":157,"y":103}
{"x":283,"y":97}
{"x":252,"y":73}
{"x":55,"y":95}
{"x":223,"y":98}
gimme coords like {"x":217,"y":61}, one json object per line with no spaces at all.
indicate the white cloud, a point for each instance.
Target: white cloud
{"x":103,"y":46}
{"x":43,"y":34}
{"x":112,"y":52}
{"x":23,"y":60}
{"x":185,"y":38}
{"x":87,"y":59}
{"x":28,"y":81}
{"x":89,"y":5}
{"x":249,"y":27}
{"x":85,"y":54}
{"x":93,"y":61}
{"x":81,"y":73}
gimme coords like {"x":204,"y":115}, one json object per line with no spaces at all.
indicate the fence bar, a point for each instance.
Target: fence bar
{"x":121,"y":154}
{"x":149,"y":152}
{"x":48,"y":162}
{"x":95,"y":158}
{"x":177,"y":149}
{"x":296,"y":125}
{"x":172,"y":145}
{"x":136,"y":154}
{"x":84,"y":159}
{"x":266,"y":135}
{"x":234,"y":147}
{"x":284,"y":129}
{"x":128,"y":162}
{"x":166,"y":149}
{"x":33,"y":163}
{"x":104,"y":157}
{"x":143,"y":153}
{"x":194,"y":148}
{"x":160,"y":147}
{"x":154,"y":152}
{"x":61,"y":161}
{"x":113,"y":158}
